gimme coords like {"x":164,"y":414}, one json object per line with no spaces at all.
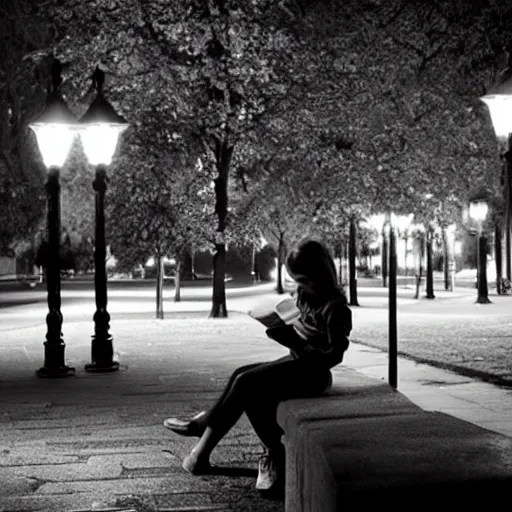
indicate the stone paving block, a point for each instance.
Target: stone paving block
{"x":93,"y":469}
{"x":58,"y":503}
{"x":13,"y":484}
{"x":178,"y":480}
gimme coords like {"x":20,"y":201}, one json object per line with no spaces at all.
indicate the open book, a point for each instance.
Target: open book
{"x":275,"y":313}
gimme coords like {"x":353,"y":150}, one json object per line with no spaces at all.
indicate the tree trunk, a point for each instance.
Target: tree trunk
{"x":280,"y":263}
{"x":406,"y":250}
{"x":384,"y":259}
{"x":219,"y":285}
{"x":177,"y":282}
{"x":193,"y":264}
{"x":508,"y":206}
{"x":352,"y":263}
{"x":483,"y":297}
{"x":420,"y":241}
{"x":223,"y":155}
{"x":498,"y":257}
{"x":340,"y":266}
{"x":430,"y":268}
{"x":159,"y":286}
{"x":448,"y":263}
{"x":256,"y":278}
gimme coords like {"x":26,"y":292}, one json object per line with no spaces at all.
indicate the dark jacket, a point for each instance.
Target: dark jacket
{"x":321,"y":333}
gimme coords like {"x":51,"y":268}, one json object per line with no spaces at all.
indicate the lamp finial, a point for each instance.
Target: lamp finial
{"x":98,"y":78}
{"x":56,"y":75}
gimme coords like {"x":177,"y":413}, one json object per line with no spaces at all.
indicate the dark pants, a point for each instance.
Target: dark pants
{"x":257,"y":389}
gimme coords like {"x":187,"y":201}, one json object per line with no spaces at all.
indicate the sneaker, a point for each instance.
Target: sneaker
{"x":268,"y":473}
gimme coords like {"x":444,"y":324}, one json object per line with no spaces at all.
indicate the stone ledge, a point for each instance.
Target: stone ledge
{"x":366,"y":441}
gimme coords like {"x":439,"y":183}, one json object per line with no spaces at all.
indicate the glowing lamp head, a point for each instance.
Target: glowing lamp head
{"x":500,"y":109}
{"x":478,"y":210}
{"x":55,"y":131}
{"x":100,"y":142}
{"x":499,"y":101}
{"x":100,"y":127}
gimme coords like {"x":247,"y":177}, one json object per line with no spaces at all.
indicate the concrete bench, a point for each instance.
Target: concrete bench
{"x":363,"y":444}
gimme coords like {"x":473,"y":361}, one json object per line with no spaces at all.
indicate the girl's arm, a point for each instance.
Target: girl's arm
{"x":338,"y":324}
{"x":287,"y":336}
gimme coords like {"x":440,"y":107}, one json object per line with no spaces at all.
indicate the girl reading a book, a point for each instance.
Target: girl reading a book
{"x":317,"y":342}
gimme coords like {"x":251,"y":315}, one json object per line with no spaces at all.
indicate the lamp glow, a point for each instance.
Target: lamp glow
{"x":54,"y":143}
{"x":100,"y":141}
{"x":500,"y":109}
{"x":478,"y":210}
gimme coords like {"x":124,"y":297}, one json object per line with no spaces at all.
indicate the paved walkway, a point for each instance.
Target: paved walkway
{"x":96,"y":442}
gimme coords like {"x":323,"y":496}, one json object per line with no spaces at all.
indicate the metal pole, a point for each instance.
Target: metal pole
{"x":393,"y":339}
{"x":54,"y":345}
{"x":102,"y":350}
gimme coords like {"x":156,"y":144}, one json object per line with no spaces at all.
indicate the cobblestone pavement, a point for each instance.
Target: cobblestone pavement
{"x":96,"y":441}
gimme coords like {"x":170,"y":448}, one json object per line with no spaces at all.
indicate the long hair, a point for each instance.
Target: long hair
{"x":311,"y":259}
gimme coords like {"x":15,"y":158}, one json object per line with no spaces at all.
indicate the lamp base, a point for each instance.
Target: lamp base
{"x":58,"y":372}
{"x":483,"y":300}
{"x":102,"y":367}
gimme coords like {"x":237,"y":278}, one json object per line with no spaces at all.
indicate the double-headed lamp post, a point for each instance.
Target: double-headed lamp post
{"x":478,"y":212}
{"x":55,"y":132}
{"x":100,"y":128}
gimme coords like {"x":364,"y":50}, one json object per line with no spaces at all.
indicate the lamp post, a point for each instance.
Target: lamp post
{"x":393,"y":330}
{"x":478,"y":211}
{"x":100,"y":128}
{"x":381,"y":222}
{"x":499,"y":101}
{"x":55,"y":132}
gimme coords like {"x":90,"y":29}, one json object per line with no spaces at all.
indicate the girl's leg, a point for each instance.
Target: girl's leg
{"x":197,"y":425}
{"x":228,"y":389}
{"x":224,"y":414}
{"x":292,"y":379}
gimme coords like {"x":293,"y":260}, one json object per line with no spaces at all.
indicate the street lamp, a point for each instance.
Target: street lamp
{"x":499,"y":101}
{"x":100,"y":128}
{"x":55,"y":132}
{"x":478,"y":211}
